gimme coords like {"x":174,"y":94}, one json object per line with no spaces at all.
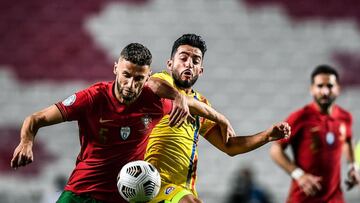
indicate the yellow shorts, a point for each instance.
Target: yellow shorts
{"x":170,"y":193}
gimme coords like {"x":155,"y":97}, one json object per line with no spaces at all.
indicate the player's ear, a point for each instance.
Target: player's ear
{"x":169,"y":64}
{"x":337,"y":88}
{"x":149,"y":75}
{"x":115,"y":66}
{"x":311,"y":89}
{"x":201,"y":70}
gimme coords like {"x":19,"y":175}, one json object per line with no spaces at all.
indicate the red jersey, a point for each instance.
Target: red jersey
{"x":111,"y":135}
{"x":316,"y":140}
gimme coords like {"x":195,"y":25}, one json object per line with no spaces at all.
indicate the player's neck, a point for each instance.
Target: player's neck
{"x":186,"y":90}
{"x":325,"y":110}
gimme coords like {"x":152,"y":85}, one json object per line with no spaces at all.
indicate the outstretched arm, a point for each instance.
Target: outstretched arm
{"x":199,"y":108}
{"x":23,"y":153}
{"x":242,"y":144}
{"x":309,"y":183}
{"x":180,"y":111}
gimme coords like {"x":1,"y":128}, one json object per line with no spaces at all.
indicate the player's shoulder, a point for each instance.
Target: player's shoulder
{"x":301,"y":113}
{"x":100,"y":86}
{"x":103,"y":84}
{"x":147,"y":92}
{"x":162,"y":75}
{"x":148,"y":96}
{"x":200,"y":97}
{"x":343,"y":113}
{"x":100,"y":89}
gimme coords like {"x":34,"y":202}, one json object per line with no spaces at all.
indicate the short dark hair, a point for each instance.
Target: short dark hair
{"x":137,"y":53}
{"x":324,"y":69}
{"x":189,"y":39}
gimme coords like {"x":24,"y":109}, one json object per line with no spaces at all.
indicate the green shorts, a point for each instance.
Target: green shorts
{"x":70,"y":197}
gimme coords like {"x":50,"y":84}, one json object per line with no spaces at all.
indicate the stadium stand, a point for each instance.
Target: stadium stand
{"x":257,"y":71}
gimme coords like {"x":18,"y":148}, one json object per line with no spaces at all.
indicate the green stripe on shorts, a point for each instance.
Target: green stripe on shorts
{"x":70,"y":197}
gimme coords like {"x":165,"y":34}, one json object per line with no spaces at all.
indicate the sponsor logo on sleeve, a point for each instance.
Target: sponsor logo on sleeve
{"x":70,"y":100}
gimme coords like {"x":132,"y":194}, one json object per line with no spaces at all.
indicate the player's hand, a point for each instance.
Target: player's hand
{"x":279,"y":131}
{"x":353,"y":178}
{"x":227,"y":130}
{"x":309,"y":184}
{"x":23,"y":155}
{"x":180,"y":112}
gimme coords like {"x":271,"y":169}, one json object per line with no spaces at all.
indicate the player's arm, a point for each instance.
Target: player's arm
{"x":309,"y":183}
{"x":241,"y":144}
{"x":353,"y":177}
{"x":277,"y":153}
{"x":180,"y":110}
{"x":23,"y":154}
{"x":199,"y":108}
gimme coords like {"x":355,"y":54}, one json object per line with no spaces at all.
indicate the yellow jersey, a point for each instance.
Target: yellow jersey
{"x":173,"y":150}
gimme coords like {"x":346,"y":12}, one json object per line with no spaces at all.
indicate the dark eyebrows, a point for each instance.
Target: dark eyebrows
{"x":125,"y":72}
{"x":188,"y":54}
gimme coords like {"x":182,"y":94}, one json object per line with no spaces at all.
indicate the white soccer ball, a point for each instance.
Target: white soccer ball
{"x":138,"y":181}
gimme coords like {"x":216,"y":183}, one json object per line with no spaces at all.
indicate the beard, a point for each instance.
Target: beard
{"x":325,"y":105}
{"x":127,"y":96}
{"x":184,"y":83}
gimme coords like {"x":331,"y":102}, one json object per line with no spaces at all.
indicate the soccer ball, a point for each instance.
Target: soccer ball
{"x":138,"y":181}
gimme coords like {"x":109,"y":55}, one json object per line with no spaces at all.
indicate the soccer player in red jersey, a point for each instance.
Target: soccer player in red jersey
{"x":115,"y":120}
{"x":320,"y":132}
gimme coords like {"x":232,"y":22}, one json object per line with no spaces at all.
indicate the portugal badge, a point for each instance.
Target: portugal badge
{"x":125,"y":132}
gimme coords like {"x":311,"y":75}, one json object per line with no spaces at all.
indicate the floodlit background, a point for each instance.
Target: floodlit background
{"x":257,"y":70}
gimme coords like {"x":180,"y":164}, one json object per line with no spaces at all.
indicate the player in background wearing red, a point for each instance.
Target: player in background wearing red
{"x":115,"y":119}
{"x":321,"y":131}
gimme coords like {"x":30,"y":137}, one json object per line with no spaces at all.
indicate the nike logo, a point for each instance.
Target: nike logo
{"x":101,"y":120}
{"x":314,"y":129}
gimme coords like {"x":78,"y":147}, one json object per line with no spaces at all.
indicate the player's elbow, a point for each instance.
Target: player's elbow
{"x":231,"y":154}
{"x":231,"y":151}
{"x":275,"y":150}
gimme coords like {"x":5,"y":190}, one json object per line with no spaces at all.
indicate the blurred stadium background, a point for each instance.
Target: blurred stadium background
{"x":260,"y":55}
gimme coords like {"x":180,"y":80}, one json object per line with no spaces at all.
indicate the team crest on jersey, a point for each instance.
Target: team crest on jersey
{"x":146,"y":120}
{"x":168,"y":190}
{"x":124,"y":132}
{"x":70,"y":100}
{"x":330,"y":138}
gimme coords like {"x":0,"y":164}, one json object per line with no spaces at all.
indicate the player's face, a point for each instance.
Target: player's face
{"x":325,"y":90}
{"x":186,"y":66}
{"x":130,"y":79}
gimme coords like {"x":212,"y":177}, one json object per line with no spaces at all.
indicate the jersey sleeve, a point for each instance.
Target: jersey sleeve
{"x":205,"y":124}
{"x":164,"y":76}
{"x":75,"y":106}
{"x":167,"y":105}
{"x":348,"y":126}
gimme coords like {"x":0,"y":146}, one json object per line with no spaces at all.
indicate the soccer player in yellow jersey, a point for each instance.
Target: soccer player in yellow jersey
{"x":173,"y":150}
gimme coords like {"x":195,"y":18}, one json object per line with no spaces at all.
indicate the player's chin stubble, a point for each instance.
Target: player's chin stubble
{"x":184,"y":83}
